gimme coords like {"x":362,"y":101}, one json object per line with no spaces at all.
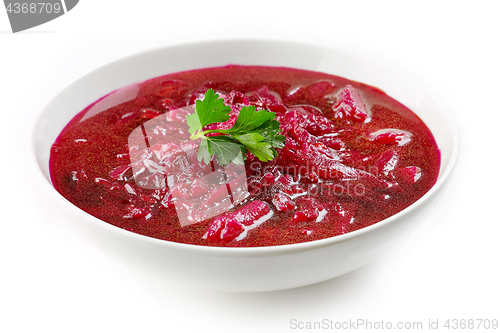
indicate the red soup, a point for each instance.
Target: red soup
{"x":352,"y":156}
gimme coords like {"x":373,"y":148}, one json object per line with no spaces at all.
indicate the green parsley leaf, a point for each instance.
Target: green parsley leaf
{"x":211,"y":110}
{"x":255,"y":144}
{"x":270,"y":131}
{"x":226,"y":149}
{"x":249,"y":119}
{"x":204,"y":151}
{"x":254,"y":130}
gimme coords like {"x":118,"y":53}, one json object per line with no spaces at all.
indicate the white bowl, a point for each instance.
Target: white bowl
{"x":260,"y":268}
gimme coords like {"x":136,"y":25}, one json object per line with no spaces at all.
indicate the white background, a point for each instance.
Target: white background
{"x":53,"y":280}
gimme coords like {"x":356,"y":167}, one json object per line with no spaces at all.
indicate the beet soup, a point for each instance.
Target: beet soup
{"x":352,"y":156}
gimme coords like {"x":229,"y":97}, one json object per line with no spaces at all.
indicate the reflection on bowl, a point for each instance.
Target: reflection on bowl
{"x":261,"y":268}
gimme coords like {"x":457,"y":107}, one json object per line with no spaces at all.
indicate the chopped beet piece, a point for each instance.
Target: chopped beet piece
{"x":225,"y":230}
{"x":309,"y":209}
{"x":390,"y":136}
{"x":231,"y":225}
{"x":408,"y":175}
{"x":282,"y":202}
{"x":350,"y":105}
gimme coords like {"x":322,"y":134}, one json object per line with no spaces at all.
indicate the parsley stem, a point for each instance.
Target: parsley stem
{"x":201,"y":134}
{"x":197,"y":135}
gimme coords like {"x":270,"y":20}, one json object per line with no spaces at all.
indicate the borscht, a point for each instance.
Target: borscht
{"x":290,"y":156}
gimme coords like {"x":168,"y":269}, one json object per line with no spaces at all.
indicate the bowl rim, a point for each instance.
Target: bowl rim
{"x":260,"y":250}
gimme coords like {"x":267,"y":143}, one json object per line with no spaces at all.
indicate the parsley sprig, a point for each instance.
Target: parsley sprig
{"x":255,"y":131}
